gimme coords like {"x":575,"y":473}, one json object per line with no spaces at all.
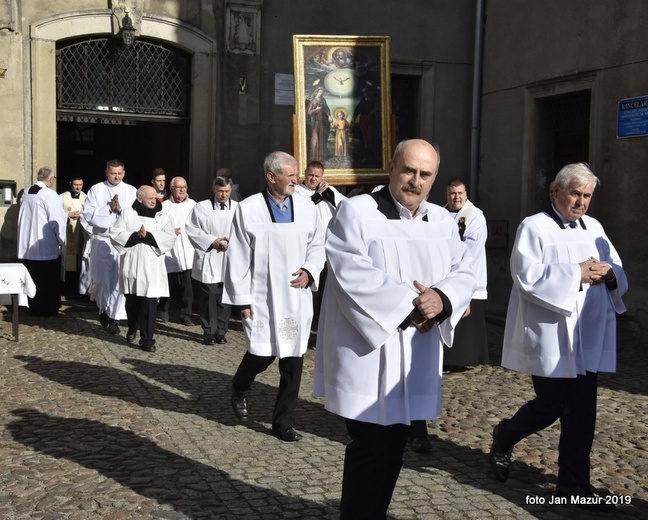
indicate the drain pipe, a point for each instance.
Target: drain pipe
{"x":476,"y":101}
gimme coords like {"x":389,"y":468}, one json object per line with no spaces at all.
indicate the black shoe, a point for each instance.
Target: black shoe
{"x":186,"y":320}
{"x":453,"y":369}
{"x":239,"y":406}
{"x":421,"y":444}
{"x":130,"y":336}
{"x":221,"y":340}
{"x":147,"y":348}
{"x":113,"y":327}
{"x":583,"y":497}
{"x":208,"y":339}
{"x":104,"y":319}
{"x":499,"y":460}
{"x":287,"y":434}
{"x":163,"y":316}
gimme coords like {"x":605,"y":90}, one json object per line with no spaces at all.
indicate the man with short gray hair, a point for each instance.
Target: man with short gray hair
{"x":209,"y":228}
{"x":179,"y":259}
{"x":41,"y":238}
{"x":276,"y":253}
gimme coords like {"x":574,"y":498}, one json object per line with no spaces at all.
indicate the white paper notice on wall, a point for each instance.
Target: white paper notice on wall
{"x":284,"y":89}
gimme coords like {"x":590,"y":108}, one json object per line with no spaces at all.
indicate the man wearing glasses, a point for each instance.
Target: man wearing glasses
{"x":179,"y":260}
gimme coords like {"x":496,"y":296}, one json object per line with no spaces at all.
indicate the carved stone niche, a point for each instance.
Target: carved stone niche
{"x":243,"y":28}
{"x":8,"y":14}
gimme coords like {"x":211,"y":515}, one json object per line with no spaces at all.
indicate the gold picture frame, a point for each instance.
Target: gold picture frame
{"x":343,"y":106}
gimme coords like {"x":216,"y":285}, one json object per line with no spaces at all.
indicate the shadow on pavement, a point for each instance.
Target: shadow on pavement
{"x":190,"y":487}
{"x":206,"y":393}
{"x":470,"y":467}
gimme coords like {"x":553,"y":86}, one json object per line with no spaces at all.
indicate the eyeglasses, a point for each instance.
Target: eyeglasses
{"x":178,"y":187}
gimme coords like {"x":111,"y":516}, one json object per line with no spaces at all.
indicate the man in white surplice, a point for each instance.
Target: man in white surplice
{"x":326,"y":199}
{"x":568,"y":281}
{"x":324,"y":196}
{"x":41,"y":239}
{"x":276,"y":253}
{"x":142,"y":235}
{"x":208,"y":228}
{"x":100,"y":211}
{"x":179,"y":260}
{"x":399,"y":281}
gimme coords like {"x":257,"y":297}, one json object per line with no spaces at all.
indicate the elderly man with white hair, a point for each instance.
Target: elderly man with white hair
{"x":142,"y":235}
{"x":180,"y":259}
{"x":568,"y":281}
{"x":276,"y":253}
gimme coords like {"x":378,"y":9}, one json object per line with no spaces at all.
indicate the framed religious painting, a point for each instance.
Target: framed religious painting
{"x":343,"y":106}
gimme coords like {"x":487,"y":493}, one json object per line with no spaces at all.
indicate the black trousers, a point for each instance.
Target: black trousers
{"x":141,"y":313}
{"x":46,"y":275}
{"x":180,"y":288}
{"x":573,"y":401}
{"x":214,"y":314}
{"x":372,"y":463}
{"x":418,"y":429}
{"x":470,"y":345}
{"x":317,"y":297}
{"x":290,"y":370}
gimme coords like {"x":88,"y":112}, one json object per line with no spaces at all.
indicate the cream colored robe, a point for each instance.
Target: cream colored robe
{"x":75,"y":238}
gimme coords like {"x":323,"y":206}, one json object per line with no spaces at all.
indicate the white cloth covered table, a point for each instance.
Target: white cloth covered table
{"x":15,"y":286}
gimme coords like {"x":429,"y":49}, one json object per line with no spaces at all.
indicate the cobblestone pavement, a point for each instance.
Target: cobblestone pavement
{"x":93,"y":428}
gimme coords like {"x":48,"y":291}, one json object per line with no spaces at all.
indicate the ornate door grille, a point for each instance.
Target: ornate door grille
{"x":102,"y":75}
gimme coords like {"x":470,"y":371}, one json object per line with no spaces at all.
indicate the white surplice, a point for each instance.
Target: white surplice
{"x":366,"y":367}
{"x":324,"y":208}
{"x":142,"y":271}
{"x":41,"y":225}
{"x":556,"y":326}
{"x":475,"y":236}
{"x":262,"y":259}
{"x":103,"y":284}
{"x":180,"y":258}
{"x":204,"y":225}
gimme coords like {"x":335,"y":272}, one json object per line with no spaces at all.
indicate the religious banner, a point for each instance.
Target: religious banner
{"x":343,"y":106}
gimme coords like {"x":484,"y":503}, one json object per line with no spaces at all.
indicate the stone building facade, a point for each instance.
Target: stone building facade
{"x":75,"y":97}
{"x":554,"y":76}
{"x":550,"y":76}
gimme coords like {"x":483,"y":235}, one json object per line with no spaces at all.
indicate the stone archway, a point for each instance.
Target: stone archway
{"x":204,"y":71}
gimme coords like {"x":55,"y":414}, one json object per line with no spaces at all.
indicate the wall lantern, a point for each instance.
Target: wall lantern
{"x":7,"y":192}
{"x":127,"y":30}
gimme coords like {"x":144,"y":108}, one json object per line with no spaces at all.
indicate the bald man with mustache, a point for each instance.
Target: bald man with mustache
{"x":399,"y":281}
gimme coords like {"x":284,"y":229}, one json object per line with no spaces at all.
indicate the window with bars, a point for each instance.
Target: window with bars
{"x":103,"y":75}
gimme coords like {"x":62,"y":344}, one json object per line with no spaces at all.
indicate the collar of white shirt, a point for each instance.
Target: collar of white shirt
{"x":406,"y":214}
{"x":566,"y":223}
